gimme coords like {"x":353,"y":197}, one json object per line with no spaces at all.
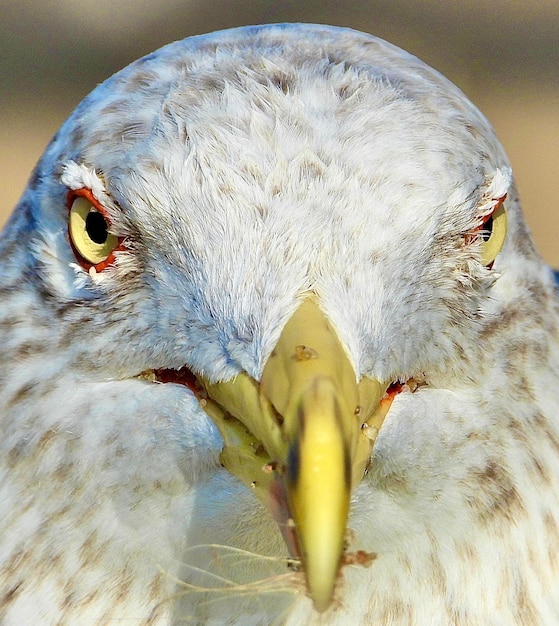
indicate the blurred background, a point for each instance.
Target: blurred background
{"x":504,"y":54}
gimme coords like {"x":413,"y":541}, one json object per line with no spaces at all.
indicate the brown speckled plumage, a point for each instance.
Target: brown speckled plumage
{"x":245,"y":170}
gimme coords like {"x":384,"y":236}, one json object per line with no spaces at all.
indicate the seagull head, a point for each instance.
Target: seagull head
{"x":304,"y":227}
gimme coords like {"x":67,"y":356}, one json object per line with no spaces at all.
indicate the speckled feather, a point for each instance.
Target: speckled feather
{"x":246,"y":169}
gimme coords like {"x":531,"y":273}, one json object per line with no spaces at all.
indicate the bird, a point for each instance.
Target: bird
{"x":277,"y":348}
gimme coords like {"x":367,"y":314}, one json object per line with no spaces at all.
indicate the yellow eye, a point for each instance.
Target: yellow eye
{"x":89,"y":233}
{"x":493,"y":232}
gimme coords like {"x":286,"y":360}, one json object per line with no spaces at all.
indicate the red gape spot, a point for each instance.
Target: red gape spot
{"x":182,"y":377}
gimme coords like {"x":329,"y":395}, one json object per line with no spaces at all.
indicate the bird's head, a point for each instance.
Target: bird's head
{"x":297,"y":224}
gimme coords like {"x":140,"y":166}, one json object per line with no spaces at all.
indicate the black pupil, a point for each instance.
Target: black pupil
{"x":487,"y":229}
{"x":96,"y":227}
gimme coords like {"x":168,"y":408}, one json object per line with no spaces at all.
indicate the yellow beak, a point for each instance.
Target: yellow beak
{"x":302,"y":428}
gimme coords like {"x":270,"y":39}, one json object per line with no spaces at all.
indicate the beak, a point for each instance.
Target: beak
{"x":303,"y":432}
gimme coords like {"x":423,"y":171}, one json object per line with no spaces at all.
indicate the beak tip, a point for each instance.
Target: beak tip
{"x":321,"y":599}
{"x":322,"y":575}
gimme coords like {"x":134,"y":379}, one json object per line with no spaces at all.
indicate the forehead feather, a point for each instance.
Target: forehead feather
{"x":272,"y":91}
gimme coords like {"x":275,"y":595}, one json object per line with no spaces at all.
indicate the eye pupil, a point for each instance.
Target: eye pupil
{"x":96,"y":227}
{"x":487,"y":229}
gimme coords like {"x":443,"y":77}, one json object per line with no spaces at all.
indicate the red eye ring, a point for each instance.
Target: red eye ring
{"x":487,"y":217}
{"x":471,"y":236}
{"x":86,"y":193}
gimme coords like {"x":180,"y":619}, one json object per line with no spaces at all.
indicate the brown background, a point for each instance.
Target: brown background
{"x":503,"y":53}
